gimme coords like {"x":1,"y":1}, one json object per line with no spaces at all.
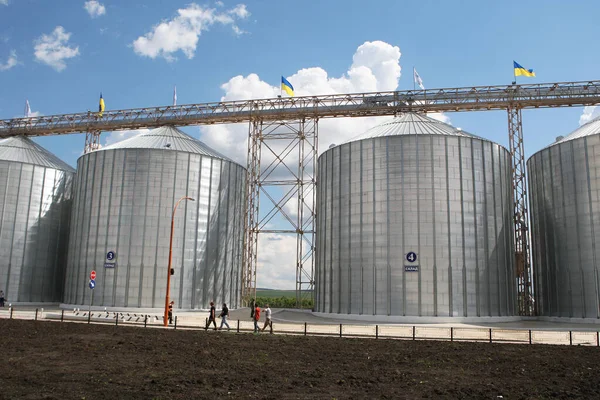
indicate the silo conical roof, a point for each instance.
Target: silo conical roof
{"x":24,"y":150}
{"x":587,"y":129}
{"x":166,"y":138}
{"x":413,"y":124}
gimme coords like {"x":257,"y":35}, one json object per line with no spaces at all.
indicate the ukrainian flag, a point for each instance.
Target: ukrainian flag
{"x":101,"y":106}
{"x":287,"y":87}
{"x":520,"y":71}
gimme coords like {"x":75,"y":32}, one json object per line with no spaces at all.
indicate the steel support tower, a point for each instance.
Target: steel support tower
{"x":282,"y":160}
{"x":296,"y":120}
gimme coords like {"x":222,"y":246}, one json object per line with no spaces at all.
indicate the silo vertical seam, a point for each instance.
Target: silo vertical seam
{"x":374,"y":242}
{"x":362,"y":261}
{"x":240,"y":234}
{"x":56,"y":287}
{"x":577,"y":237}
{"x":403,"y":252}
{"x":218,"y":225}
{"x":4,"y":205}
{"x":505,"y":248}
{"x":12,"y":239}
{"x":350,"y":258}
{"x":512,"y":240}
{"x":20,"y":296}
{"x":564,"y":243}
{"x":540,"y":229}
{"x":234,"y":246}
{"x":462,"y":224}
{"x":89,"y":228}
{"x":41,"y":278}
{"x":387,"y":212}
{"x":108,"y":219}
{"x":593,"y":232}
{"x":207,"y":246}
{"x":486,"y":233}
{"x":227,"y":237}
{"x":433,"y":209}
{"x":59,"y":281}
{"x":195,"y":272}
{"x":142,"y":265}
{"x":185,"y":211}
{"x":419,"y":291}
{"x":330,"y":230}
{"x":559,"y":299}
{"x":131,"y":222}
{"x":319,"y":281}
{"x":477,"y":283}
{"x":71,"y":249}
{"x":171,"y":209}
{"x":98,"y":219}
{"x":339,"y":230}
{"x":496,"y":235}
{"x":116,"y":272}
{"x":82,"y":205}
{"x":155,"y":278}
{"x":450,"y":296}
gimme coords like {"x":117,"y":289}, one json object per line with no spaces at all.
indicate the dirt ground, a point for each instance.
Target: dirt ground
{"x":53,"y":360}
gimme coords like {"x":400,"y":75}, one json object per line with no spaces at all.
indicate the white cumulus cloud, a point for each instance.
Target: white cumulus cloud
{"x":54,"y":49}
{"x":11,"y":62}
{"x":183,"y":31}
{"x":589,"y":113}
{"x":4,"y":2}
{"x":94,"y":8}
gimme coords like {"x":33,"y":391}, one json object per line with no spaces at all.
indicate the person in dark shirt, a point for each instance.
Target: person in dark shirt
{"x":252,"y":307}
{"x":224,"y":315}
{"x":171,"y":312}
{"x":211,"y":317}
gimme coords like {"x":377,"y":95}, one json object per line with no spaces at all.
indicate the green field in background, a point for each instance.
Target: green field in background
{"x":273,"y":294}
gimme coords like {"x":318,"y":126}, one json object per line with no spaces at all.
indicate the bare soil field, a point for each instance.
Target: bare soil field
{"x":52,"y":360}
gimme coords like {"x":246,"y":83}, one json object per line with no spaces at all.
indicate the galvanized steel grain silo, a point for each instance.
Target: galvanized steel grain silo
{"x":124,"y":199}
{"x":415,"y":219}
{"x":564,"y":182}
{"x":35,"y":202}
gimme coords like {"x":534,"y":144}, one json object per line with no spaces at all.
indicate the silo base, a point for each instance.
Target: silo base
{"x":395,"y":319}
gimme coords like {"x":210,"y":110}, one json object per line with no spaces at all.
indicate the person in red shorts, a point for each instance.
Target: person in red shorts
{"x":256,"y":318}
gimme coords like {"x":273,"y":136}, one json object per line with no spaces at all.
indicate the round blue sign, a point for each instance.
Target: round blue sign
{"x":411,"y":256}
{"x":110,"y":255}
{"x":92,"y":283}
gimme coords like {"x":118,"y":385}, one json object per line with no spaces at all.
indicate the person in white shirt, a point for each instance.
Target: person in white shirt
{"x":268,"y":321}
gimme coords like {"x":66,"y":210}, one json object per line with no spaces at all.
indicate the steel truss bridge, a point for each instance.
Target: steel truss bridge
{"x":292,"y":123}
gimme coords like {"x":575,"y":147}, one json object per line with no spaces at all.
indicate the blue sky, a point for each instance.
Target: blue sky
{"x":109,"y":47}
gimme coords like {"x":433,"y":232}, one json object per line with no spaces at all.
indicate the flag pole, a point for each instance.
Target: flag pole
{"x":514,"y":74}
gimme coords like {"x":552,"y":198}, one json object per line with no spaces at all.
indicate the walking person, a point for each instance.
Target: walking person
{"x":224,"y":315}
{"x":171,"y":312}
{"x":1,"y":298}
{"x":252,"y":307}
{"x":211,"y":316}
{"x":268,"y":321}
{"x":256,"y":318}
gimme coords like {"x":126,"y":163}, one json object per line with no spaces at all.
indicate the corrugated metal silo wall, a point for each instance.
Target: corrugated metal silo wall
{"x":446,"y":198}
{"x":124,"y":200}
{"x":564,"y":182}
{"x":35,"y":202}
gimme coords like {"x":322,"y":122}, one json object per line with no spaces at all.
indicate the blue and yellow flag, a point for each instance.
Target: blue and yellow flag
{"x":520,"y":71}
{"x":287,"y":87}
{"x":101,"y":106}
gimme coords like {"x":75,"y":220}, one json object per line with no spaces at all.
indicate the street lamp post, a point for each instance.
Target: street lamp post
{"x":170,"y":255}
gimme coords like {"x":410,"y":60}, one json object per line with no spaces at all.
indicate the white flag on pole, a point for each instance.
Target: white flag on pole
{"x":27,"y":109}
{"x":418,"y":79}
{"x":175,"y":96}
